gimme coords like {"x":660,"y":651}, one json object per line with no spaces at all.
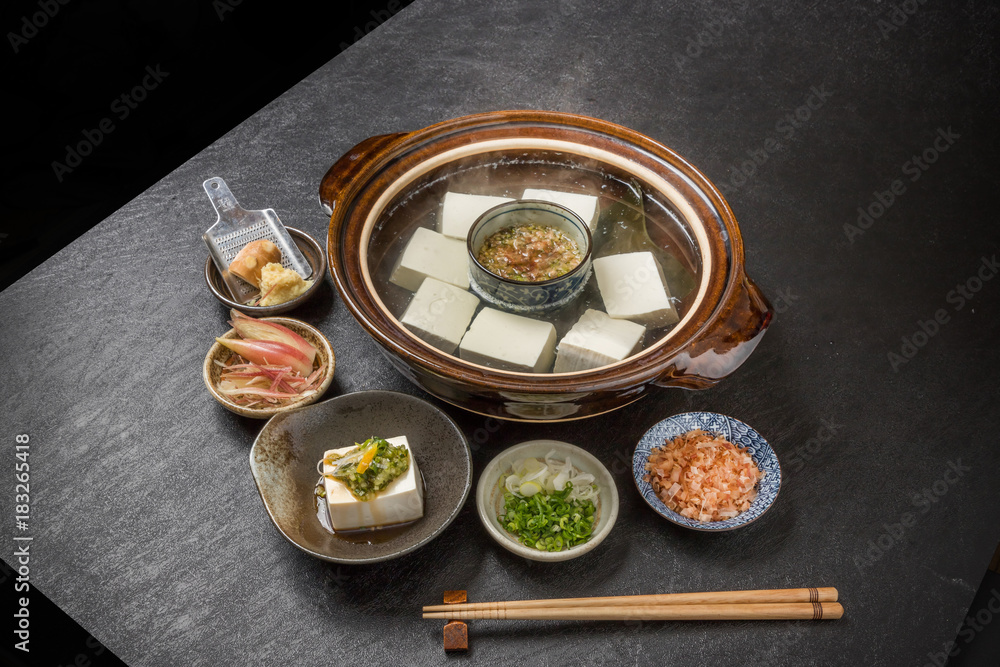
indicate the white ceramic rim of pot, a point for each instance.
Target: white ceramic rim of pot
{"x":520,"y":143}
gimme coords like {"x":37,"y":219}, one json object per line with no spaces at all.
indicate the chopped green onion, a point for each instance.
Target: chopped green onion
{"x":548,"y":521}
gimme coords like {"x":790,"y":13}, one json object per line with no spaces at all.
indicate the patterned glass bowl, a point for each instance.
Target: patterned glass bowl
{"x":732,"y":430}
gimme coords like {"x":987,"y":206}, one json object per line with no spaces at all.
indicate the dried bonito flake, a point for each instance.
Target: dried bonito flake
{"x":703,"y":476}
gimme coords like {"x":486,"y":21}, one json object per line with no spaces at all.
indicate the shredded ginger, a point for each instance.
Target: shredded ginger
{"x":702,"y":476}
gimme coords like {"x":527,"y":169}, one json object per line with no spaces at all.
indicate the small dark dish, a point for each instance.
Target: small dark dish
{"x":522,"y":296}
{"x":313,"y":253}
{"x":732,"y":430}
{"x":284,"y":456}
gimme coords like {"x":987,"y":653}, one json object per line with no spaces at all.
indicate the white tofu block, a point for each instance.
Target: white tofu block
{"x":401,"y":501}
{"x":440,"y":313}
{"x":432,"y":255}
{"x":509,"y":342}
{"x":633,"y":288}
{"x":459,"y":211}
{"x":584,"y":206}
{"x":597,"y":340}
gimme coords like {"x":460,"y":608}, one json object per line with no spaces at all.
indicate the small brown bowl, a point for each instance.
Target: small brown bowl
{"x":313,"y":253}
{"x":211,"y":371}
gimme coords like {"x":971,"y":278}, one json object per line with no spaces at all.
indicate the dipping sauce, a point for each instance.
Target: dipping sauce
{"x":529,"y":253}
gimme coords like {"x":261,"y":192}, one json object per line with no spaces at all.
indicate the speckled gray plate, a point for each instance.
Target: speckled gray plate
{"x":284,"y":456}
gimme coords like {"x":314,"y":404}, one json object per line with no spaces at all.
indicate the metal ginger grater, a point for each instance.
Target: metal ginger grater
{"x":237,"y":227}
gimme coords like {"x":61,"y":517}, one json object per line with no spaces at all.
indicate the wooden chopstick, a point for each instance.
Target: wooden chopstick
{"x":674,"y":612}
{"x":808,"y":595}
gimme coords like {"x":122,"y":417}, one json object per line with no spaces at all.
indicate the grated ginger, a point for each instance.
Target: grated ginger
{"x":279,"y":285}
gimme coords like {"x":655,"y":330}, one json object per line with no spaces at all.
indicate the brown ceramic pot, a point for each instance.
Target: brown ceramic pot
{"x":723,"y":319}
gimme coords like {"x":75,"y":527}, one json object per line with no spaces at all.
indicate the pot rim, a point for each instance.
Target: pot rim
{"x":722,"y":251}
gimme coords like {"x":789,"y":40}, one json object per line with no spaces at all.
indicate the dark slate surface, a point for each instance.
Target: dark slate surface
{"x":148,"y":529}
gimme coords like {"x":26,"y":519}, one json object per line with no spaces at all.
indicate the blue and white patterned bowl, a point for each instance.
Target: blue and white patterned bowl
{"x":732,"y":430}
{"x":521,"y":296}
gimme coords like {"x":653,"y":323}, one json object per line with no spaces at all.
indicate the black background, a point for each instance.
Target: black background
{"x":65,"y":66}
{"x":223,"y":60}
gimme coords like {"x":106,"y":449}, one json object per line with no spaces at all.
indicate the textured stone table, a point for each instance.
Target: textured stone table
{"x":148,"y":529}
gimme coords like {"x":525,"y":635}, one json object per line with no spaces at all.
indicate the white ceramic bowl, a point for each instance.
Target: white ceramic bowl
{"x":489,"y":496}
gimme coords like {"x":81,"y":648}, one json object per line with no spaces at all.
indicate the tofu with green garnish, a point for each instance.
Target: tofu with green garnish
{"x":401,"y":501}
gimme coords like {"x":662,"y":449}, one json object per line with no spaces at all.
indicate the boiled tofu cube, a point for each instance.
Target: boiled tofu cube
{"x":432,"y":255}
{"x":401,"y":501}
{"x":459,"y":211}
{"x":597,"y":340}
{"x":633,"y":288}
{"x":584,"y":206}
{"x":509,"y":342}
{"x":440,"y":313}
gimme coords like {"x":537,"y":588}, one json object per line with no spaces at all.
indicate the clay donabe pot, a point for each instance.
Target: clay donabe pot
{"x":722,"y":318}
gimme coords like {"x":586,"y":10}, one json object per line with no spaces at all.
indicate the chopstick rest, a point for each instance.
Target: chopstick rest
{"x":456,"y":632}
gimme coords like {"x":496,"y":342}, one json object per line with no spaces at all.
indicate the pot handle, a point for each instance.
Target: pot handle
{"x":352,"y":163}
{"x":725,"y":343}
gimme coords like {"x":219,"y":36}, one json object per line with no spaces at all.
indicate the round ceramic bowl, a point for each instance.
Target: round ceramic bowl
{"x":517,"y":295}
{"x":313,"y":253}
{"x":283,"y":462}
{"x":489,"y":497}
{"x":385,"y":188}
{"x":211,"y":371}
{"x":732,"y":430}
